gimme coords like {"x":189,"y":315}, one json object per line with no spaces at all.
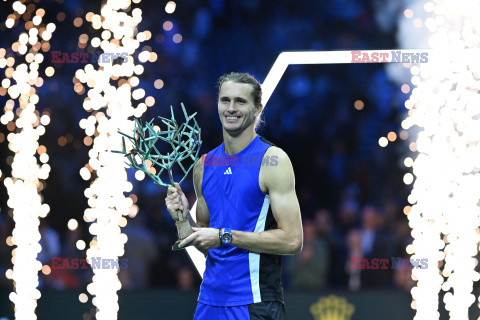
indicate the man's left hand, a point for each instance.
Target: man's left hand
{"x":202,"y":239}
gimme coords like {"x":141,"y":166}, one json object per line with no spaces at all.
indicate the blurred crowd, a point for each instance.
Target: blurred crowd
{"x":328,"y":118}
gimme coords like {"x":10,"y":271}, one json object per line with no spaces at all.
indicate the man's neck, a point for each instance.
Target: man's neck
{"x":235,"y":144}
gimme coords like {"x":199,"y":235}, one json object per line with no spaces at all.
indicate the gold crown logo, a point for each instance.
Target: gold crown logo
{"x":332,"y":308}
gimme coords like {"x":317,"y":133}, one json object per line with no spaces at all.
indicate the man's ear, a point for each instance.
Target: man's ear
{"x":259,"y":110}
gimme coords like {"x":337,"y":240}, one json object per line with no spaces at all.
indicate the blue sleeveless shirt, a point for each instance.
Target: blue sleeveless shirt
{"x":230,"y":186}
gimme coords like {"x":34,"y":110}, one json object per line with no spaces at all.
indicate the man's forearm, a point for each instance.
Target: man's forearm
{"x":274,"y":241}
{"x":195,"y":225}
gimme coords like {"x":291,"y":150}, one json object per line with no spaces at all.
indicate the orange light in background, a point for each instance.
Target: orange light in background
{"x":62,"y":141}
{"x":40,"y":12}
{"x":83,"y":38}
{"x":359,"y":105}
{"x":15,"y":46}
{"x":152,"y":170}
{"x":69,"y":137}
{"x":45,"y":46}
{"x":78,"y":22}
{"x":89,"y":16}
{"x":79,"y":88}
{"x":407,"y":209}
{"x":391,"y":136}
{"x":46,"y":270}
{"x":11,"y":126}
{"x":61,"y":16}
{"x":133,"y":197}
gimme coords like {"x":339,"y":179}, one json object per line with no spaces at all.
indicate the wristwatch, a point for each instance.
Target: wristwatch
{"x":225,"y":235}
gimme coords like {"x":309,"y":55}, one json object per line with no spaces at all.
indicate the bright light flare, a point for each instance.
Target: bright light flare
{"x":24,"y":185}
{"x":110,"y":94}
{"x":445,"y":198}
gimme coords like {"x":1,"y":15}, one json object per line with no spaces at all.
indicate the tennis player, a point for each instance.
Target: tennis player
{"x":247,"y":212}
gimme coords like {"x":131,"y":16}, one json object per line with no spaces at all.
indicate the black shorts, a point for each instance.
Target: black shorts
{"x":268,"y":310}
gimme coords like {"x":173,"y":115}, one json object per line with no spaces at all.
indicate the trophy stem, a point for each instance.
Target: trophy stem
{"x":180,"y":215}
{"x":171,"y":177}
{"x":184,"y":230}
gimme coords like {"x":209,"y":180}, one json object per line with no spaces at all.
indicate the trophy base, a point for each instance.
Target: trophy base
{"x":175,"y":246}
{"x":184,"y":230}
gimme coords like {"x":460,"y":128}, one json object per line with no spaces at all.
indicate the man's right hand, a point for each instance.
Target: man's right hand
{"x":176,"y":202}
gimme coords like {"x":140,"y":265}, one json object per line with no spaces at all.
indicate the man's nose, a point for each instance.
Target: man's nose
{"x":231,"y":106}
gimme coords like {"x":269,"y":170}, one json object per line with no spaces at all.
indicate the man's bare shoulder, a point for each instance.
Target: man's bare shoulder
{"x":276,"y":158}
{"x":276,"y":169}
{"x":199,"y":163}
{"x":198,"y":173}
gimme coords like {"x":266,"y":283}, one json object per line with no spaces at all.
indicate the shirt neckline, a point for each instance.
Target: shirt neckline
{"x":243,"y":150}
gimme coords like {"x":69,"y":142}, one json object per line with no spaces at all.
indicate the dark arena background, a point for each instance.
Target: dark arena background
{"x":376,"y":103}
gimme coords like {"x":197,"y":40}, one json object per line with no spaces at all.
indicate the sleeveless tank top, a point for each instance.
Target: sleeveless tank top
{"x":230,"y":186}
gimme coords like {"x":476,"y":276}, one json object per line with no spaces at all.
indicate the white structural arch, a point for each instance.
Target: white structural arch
{"x":337,"y":57}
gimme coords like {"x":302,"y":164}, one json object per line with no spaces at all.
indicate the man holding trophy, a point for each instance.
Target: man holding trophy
{"x":247,"y":213}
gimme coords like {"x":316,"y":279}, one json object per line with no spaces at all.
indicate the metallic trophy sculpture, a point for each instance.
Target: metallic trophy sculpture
{"x":185,"y":144}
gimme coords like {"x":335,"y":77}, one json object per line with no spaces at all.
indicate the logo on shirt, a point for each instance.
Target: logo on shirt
{"x":228,"y":171}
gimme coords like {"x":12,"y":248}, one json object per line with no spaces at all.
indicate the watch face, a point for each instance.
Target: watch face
{"x":227,"y":237}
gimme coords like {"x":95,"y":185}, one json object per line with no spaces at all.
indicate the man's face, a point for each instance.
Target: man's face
{"x":236,"y":108}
